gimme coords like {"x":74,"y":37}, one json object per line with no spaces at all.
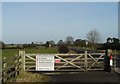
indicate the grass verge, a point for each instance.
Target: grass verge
{"x":30,"y":77}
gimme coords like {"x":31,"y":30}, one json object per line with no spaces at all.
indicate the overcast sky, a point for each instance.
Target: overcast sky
{"x":27,"y":22}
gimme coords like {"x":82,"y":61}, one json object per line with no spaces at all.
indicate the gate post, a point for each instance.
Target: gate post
{"x":4,"y":68}
{"x":86,"y":63}
{"x":22,"y":54}
{"x":115,"y":61}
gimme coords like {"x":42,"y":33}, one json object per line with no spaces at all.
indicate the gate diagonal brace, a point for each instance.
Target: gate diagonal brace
{"x":30,"y":57}
{"x":69,"y":62}
{"x":96,"y":60}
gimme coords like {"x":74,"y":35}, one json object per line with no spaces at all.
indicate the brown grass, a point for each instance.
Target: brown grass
{"x":31,"y":77}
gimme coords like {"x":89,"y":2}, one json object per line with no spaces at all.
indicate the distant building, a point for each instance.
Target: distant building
{"x":50,"y":45}
{"x":14,"y":45}
{"x":40,"y":43}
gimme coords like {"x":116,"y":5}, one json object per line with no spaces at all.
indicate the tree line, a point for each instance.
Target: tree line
{"x":111,"y":43}
{"x":93,"y":37}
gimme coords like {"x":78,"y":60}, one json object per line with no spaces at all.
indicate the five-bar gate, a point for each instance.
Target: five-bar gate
{"x":67,"y":62}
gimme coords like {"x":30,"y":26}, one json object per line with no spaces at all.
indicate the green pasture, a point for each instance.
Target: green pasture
{"x":42,"y":50}
{"x":10,"y":53}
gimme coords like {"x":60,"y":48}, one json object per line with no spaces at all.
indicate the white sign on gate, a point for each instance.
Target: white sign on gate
{"x":44,"y":62}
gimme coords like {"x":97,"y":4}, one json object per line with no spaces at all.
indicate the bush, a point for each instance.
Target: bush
{"x":63,"y":49}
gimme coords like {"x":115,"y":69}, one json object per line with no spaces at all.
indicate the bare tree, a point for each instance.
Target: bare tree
{"x":69,"y":40}
{"x":93,"y":36}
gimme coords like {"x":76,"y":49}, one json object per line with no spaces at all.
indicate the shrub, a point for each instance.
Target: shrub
{"x":63,"y":49}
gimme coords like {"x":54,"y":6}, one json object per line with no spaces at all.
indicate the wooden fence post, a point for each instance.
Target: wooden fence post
{"x":19,"y":61}
{"x":16,"y":65}
{"x":4,"y":67}
{"x":22,"y":54}
{"x":86,"y":63}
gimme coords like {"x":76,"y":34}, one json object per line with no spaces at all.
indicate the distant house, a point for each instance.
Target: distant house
{"x":14,"y":45}
{"x":50,"y":45}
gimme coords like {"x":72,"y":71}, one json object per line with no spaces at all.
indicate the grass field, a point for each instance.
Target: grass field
{"x":10,"y":53}
{"x":42,"y":50}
